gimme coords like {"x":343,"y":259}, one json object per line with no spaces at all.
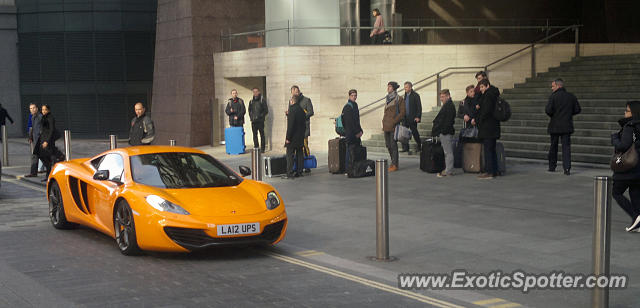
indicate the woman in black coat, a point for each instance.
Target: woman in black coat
{"x":45,"y":148}
{"x":622,"y":141}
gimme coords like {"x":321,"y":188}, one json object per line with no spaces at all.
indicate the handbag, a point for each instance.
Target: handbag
{"x":623,"y":162}
{"x":469,"y":132}
{"x":402,"y":133}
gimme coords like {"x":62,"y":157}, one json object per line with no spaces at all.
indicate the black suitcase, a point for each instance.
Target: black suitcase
{"x":432,"y":156}
{"x":362,"y":168}
{"x":274,"y":166}
{"x":337,"y":153}
{"x":457,"y":153}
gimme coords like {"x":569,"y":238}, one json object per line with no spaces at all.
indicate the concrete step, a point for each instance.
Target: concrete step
{"x":543,"y":155}
{"x":589,"y":62}
{"x":571,"y":84}
{"x":600,"y":133}
{"x":609,"y":95}
{"x":585,"y":110}
{"x":594,"y":141}
{"x":611,"y":126}
{"x":587,"y":102}
{"x":544,"y":147}
{"x":632,"y":56}
{"x":595,"y":67}
{"x":588,"y":90}
{"x":541,"y":116}
{"x":623,"y":73}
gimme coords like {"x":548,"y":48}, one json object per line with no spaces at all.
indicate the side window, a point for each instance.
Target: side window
{"x":115,"y":164}
{"x":96,"y":162}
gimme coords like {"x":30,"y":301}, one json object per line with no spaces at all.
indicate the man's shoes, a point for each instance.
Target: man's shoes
{"x":634,"y":225}
{"x":567,"y":172}
{"x":485,"y":176}
{"x":288,"y":176}
{"x":299,"y":175}
{"x":44,"y":180}
{"x":551,"y":169}
{"x":42,"y":171}
{"x":393,"y":168}
{"x":441,"y":174}
{"x":30,"y":175}
{"x":307,"y":170}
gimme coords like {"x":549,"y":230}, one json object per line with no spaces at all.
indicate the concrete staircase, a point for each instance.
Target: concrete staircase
{"x":602,"y":84}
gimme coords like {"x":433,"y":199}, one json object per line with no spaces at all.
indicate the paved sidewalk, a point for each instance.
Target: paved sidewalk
{"x":529,"y":219}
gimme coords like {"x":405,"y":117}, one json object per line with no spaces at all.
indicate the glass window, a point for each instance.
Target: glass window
{"x":115,"y":164}
{"x":181,"y":170}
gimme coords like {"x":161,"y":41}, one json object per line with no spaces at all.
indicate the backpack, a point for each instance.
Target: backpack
{"x":339,"y":125}
{"x":502,"y":111}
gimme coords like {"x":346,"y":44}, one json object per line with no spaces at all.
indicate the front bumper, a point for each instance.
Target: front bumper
{"x":197,"y":238}
{"x":173,"y":232}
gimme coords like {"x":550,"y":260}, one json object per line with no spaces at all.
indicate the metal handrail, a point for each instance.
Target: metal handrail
{"x":486,"y":67}
{"x":416,"y":28}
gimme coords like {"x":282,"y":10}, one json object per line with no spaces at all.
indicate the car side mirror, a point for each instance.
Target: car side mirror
{"x":101,"y":175}
{"x":245,"y":171}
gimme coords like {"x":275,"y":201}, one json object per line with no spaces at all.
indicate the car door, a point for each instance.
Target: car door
{"x":102,"y":194}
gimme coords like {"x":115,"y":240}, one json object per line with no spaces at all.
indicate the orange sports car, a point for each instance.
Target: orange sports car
{"x":164,"y":198}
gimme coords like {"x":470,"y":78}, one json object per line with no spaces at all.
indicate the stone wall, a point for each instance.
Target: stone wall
{"x":326,"y":73}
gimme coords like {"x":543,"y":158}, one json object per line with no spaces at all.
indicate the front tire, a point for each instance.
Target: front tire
{"x":125,"y":229}
{"x":56,"y":208}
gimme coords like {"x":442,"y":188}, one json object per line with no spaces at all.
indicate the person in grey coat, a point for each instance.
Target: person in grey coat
{"x":34,"y":134}
{"x":561,"y":108}
{"x":307,"y":107}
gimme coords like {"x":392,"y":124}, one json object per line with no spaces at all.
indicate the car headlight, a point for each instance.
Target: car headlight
{"x":161,"y":204}
{"x":272,"y":200}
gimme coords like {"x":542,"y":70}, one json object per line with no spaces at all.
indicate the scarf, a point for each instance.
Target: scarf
{"x":391,"y":96}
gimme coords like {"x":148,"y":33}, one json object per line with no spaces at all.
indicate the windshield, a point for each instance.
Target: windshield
{"x":181,"y":170}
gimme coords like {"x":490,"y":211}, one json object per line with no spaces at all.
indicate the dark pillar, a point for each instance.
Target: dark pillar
{"x":187,"y":35}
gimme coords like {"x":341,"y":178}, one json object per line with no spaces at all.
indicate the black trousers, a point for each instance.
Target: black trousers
{"x":294,"y":153}
{"x":413,"y":126}
{"x":491,"y":157}
{"x":566,"y":151}
{"x":258,"y":127}
{"x":632,"y":207}
{"x":49,"y":155}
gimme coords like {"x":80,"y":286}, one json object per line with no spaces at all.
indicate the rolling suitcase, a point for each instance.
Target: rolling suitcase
{"x":432,"y":156}
{"x":274,"y":166}
{"x":337,"y":153}
{"x":362,"y":168}
{"x":457,"y":153}
{"x":234,"y":140}
{"x":472,"y":157}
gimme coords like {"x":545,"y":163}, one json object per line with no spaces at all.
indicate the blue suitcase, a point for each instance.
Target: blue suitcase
{"x":234,"y":140}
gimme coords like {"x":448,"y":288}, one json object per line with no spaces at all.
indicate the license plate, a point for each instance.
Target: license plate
{"x":250,"y":228}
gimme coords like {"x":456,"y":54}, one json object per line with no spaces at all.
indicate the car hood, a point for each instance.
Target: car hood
{"x":244,"y":199}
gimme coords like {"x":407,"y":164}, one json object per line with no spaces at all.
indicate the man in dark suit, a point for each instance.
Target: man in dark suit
{"x":296,"y":126}
{"x":488,"y":127}
{"x":561,"y":108}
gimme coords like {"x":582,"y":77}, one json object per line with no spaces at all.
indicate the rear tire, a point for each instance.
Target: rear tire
{"x":56,"y":208}
{"x":125,"y":230}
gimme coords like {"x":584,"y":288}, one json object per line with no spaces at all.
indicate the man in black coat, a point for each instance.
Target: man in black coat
{"x":235,"y":110}
{"x":258,"y":111}
{"x":352,"y":128}
{"x":413,"y":115}
{"x":488,"y":127}
{"x":561,"y":108}
{"x":296,"y":126}
{"x":443,"y":128}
